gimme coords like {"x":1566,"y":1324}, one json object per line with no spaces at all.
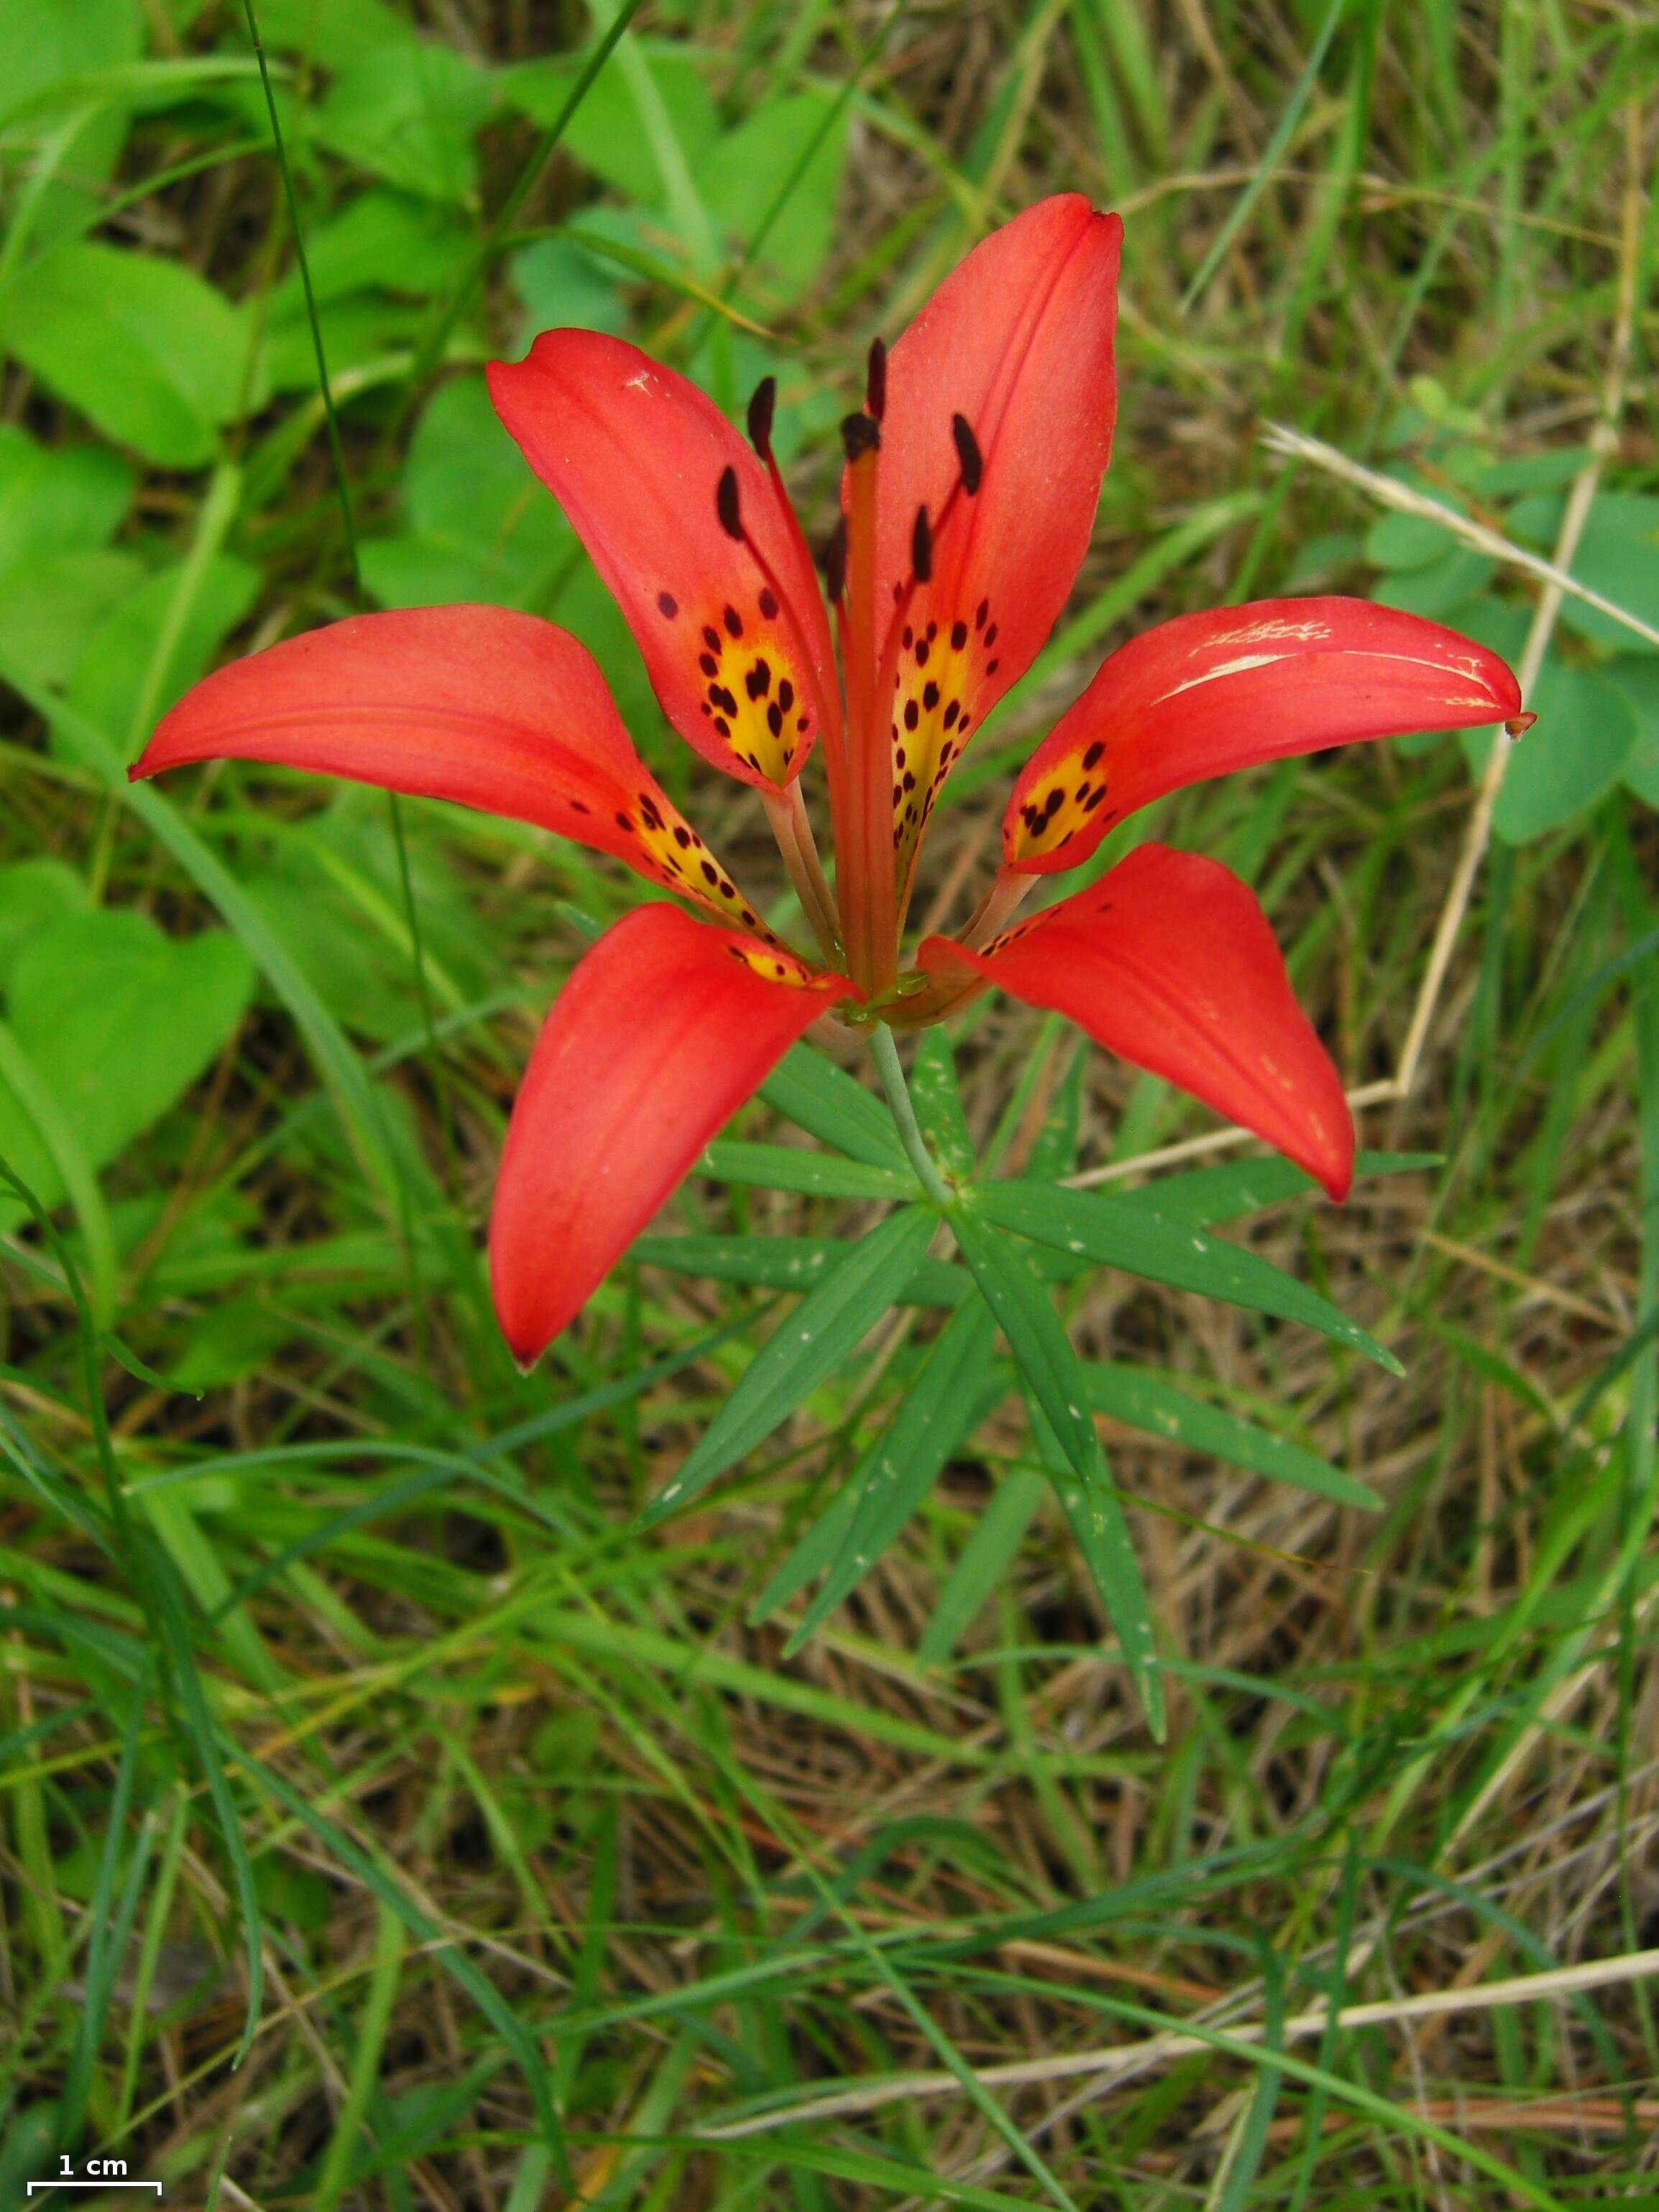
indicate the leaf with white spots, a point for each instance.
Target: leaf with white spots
{"x":1120,"y":1232}
{"x":803,"y":1351}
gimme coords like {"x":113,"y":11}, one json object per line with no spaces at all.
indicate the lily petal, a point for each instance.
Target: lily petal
{"x":661,"y":1032}
{"x":1018,"y":340}
{"x":731,"y":629}
{"x":490,"y":707}
{"x":1169,"y":960}
{"x":1207,"y":693}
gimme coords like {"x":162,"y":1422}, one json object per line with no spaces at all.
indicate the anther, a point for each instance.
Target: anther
{"x":968,"y":453}
{"x":725,"y":504}
{"x":762,"y":408}
{"x":875,"y":380}
{"x":834,"y":557}
{"x":922,"y":549}
{"x":858,"y":435}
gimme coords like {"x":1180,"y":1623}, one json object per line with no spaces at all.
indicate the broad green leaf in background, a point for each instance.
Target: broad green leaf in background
{"x":807,"y":1346}
{"x":408,"y":111}
{"x":742,"y":176}
{"x":58,"y":498}
{"x":145,"y":347}
{"x":45,"y":42}
{"x":118,"y":1020}
{"x":479,"y":526}
{"x":563,"y":285}
{"x":1618,"y":555}
{"x":1118,"y":1233}
{"x":1637,"y":680}
{"x":379,"y":241}
{"x":336,"y":33}
{"x":605,"y":134}
{"x":33,"y":894}
{"x":1570,"y":758}
{"x":52,"y":603}
{"x":110,"y":672}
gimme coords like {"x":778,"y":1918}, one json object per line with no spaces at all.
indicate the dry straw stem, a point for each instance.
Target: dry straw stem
{"x":1388,"y":491}
{"x":1158,"y":2050}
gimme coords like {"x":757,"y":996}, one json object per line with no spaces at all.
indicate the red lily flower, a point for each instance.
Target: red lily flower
{"x":969,"y":492}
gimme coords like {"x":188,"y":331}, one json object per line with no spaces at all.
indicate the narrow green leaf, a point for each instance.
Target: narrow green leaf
{"x":1056,"y":1382}
{"x":938,"y":1100}
{"x":981,"y":1562}
{"x":1205,"y":1196}
{"x":803,"y":1349}
{"x":833,"y":1107}
{"x":778,"y":1167}
{"x":1118,"y":1234}
{"x":1149,"y":1402}
{"x":943,"y":1406}
{"x":792,"y":1263}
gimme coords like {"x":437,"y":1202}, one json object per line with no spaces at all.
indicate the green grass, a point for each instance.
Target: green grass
{"x":386,"y":1818}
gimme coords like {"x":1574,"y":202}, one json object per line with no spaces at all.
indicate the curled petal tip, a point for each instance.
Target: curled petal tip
{"x":1518,"y":725}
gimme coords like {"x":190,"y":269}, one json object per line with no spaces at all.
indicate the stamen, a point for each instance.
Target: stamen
{"x":762,"y":408}
{"x":726,"y":505}
{"x":858,"y":435}
{"x":967,"y":454}
{"x":833,"y":556}
{"x":875,"y":380}
{"x":922,"y":548}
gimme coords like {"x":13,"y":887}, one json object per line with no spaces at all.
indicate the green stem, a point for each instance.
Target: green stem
{"x":904,"y":1114}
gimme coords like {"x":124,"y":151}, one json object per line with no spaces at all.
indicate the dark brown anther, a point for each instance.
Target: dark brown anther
{"x":834,"y":557}
{"x":762,"y":408}
{"x":875,"y":380}
{"x":921,"y":551}
{"x":725,"y":504}
{"x":967,"y":454}
{"x":858,"y":435}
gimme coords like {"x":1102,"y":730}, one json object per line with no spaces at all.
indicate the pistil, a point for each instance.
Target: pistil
{"x":867,"y":883}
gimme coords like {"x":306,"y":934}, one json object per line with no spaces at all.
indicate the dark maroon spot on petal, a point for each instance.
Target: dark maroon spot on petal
{"x":912,"y":713}
{"x":722,"y":726}
{"x":774,"y":718}
{"x":980,"y":613}
{"x":758,"y":681}
{"x":708,"y":664}
{"x":803,"y":723}
{"x":668,"y":605}
{"x":625,"y":822}
{"x":682,"y":836}
{"x":769,"y":602}
{"x":932,"y":631}
{"x":712,"y":638}
{"x":952,"y":711}
{"x":909,"y":781}
{"x":990,"y":637}
{"x":991,"y":667}
{"x":727,"y":891}
{"x":711,"y":873}
{"x":897,"y":794}
{"x":579,"y":807}
{"x":922,"y":652}
{"x":1094,"y":752}
{"x":899,"y":755}
{"x":733,"y":622}
{"x":786,"y":695}
{"x":930,"y":696}
{"x":958,"y":635}
{"x":1094,"y":798}
{"x":909,"y":637}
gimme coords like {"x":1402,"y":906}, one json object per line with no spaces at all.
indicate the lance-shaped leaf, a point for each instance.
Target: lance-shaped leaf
{"x":1233,"y":686}
{"x":810,"y":1344}
{"x":661,"y":1032}
{"x":818,"y":1175}
{"x":792,"y":1263}
{"x":1053,"y":1374}
{"x":1153,"y":1403}
{"x":947,"y":1400}
{"x":834,"y":1106}
{"x":483,"y":705}
{"x":1120,"y":1233}
{"x":1169,"y":961}
{"x":1204,"y":1196}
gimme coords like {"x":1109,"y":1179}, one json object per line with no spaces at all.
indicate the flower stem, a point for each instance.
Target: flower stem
{"x":904,"y":1115}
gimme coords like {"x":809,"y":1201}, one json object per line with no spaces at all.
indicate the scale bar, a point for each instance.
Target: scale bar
{"x":90,"y":2181}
